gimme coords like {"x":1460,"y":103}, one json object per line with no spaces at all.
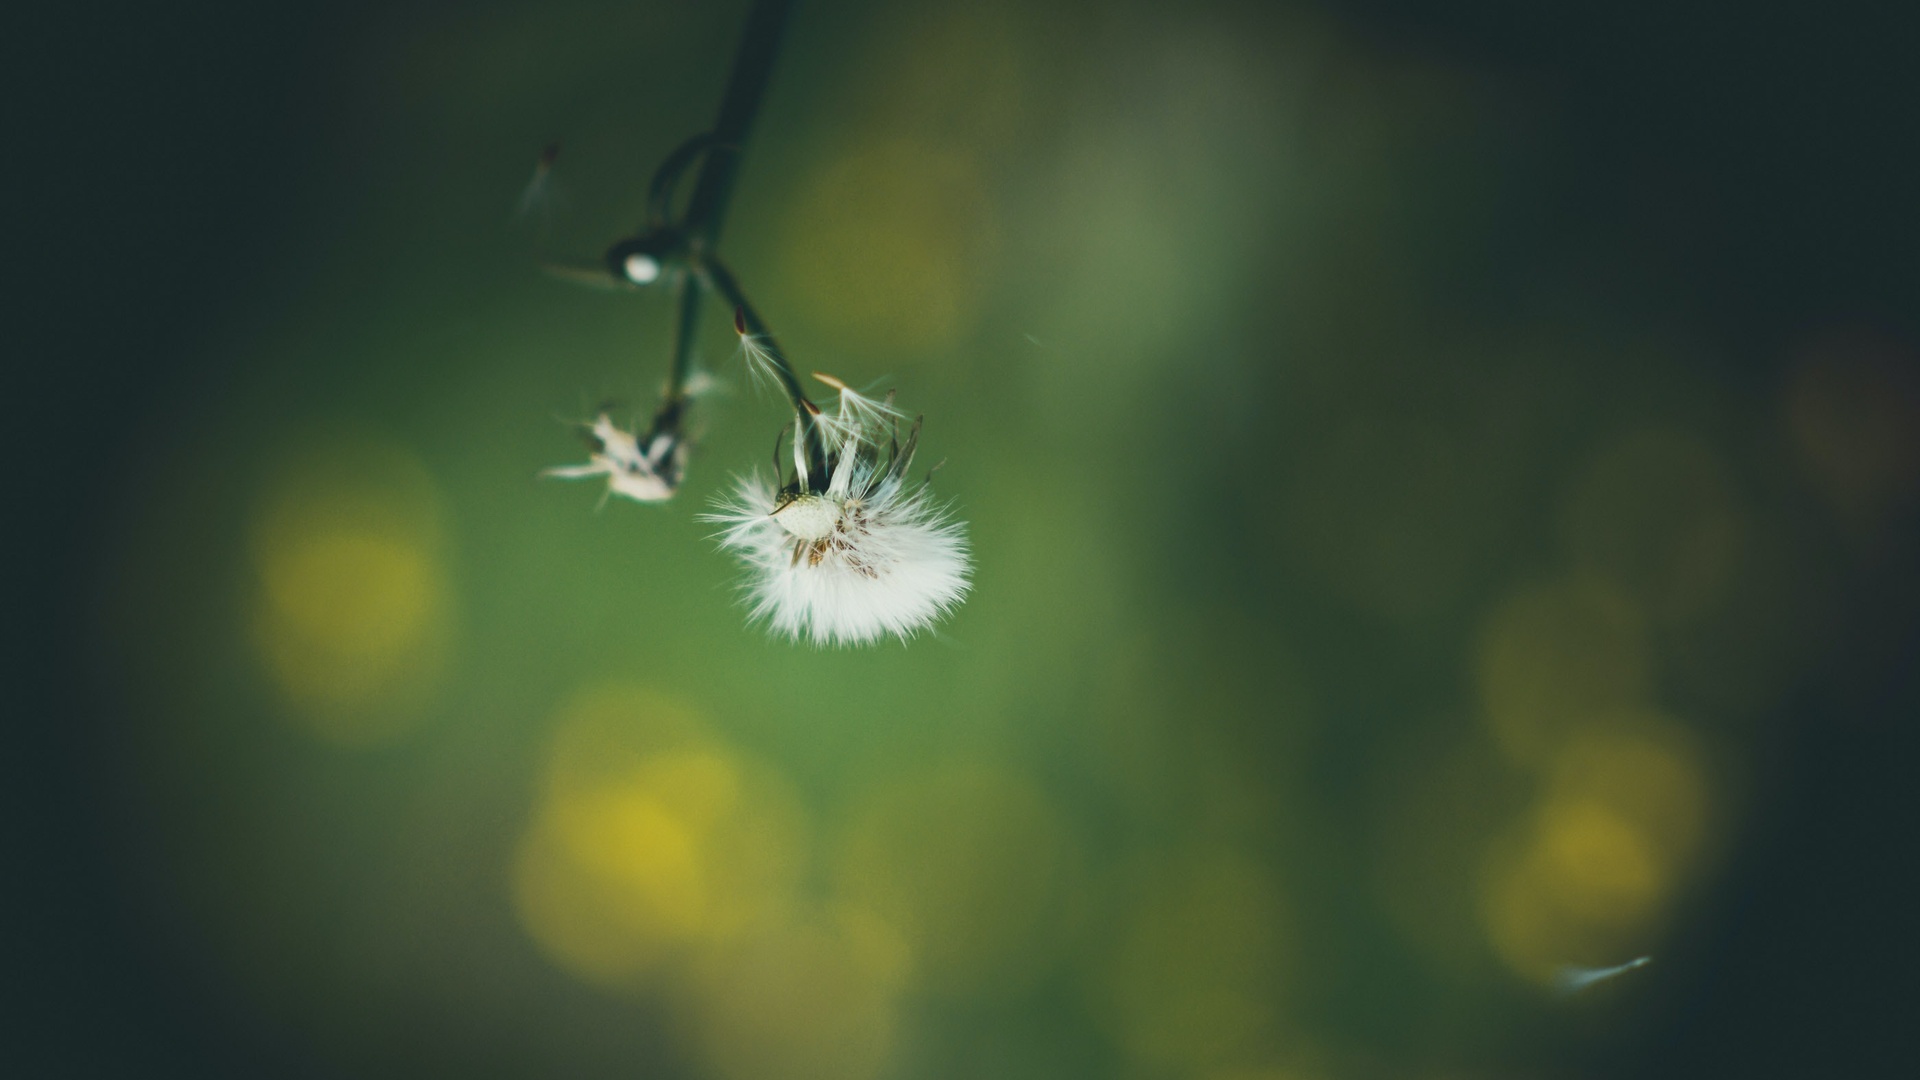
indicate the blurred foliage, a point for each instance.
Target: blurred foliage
{"x":1374,"y":610}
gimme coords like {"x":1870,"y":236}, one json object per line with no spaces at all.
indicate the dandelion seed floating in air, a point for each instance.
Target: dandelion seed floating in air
{"x":540,"y":196}
{"x":1571,"y":979}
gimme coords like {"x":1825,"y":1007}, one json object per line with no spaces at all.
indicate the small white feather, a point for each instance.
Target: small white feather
{"x":1571,"y":979}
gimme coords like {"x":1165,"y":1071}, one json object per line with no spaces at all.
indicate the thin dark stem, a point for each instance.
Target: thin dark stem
{"x":752,"y":67}
{"x":715,"y":275}
{"x":667,"y":177}
{"x":718,"y":278}
{"x":684,"y":334}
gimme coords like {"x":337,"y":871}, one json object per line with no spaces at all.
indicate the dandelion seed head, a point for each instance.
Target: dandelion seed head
{"x":890,"y":564}
{"x":808,"y":517}
{"x":849,"y":550}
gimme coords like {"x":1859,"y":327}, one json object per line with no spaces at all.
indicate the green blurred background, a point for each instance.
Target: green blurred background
{"x":1443,"y":486}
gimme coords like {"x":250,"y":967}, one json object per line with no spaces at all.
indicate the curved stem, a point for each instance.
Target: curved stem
{"x":719,"y":153}
{"x":752,"y":67}
{"x":667,"y":177}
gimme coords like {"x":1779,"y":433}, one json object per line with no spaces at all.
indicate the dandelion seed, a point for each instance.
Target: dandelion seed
{"x":644,"y":474}
{"x":1571,"y":979}
{"x":761,"y":364}
{"x":540,"y":197}
{"x":847,"y":550}
{"x":856,"y":415}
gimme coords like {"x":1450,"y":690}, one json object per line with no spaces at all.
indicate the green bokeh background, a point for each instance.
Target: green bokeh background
{"x":1441,"y":488}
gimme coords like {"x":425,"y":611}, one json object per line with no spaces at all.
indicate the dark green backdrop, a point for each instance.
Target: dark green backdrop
{"x":1442,"y":482}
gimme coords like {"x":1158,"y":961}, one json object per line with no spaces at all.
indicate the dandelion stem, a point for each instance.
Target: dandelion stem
{"x":752,"y":67}
{"x":666,"y":178}
{"x":715,"y":275}
{"x":684,"y":334}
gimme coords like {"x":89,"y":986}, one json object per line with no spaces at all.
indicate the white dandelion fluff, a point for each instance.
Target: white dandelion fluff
{"x":644,"y":474}
{"x":857,"y":415}
{"x":847,"y":550}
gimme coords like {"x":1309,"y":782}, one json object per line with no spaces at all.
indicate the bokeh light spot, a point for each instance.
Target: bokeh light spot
{"x":652,"y":839}
{"x":636,"y":842}
{"x":1853,"y":407}
{"x":350,"y":592}
{"x":352,"y":617}
{"x":1258,"y":1073}
{"x":1598,"y":865}
{"x":1655,"y":517}
{"x":608,"y":732}
{"x":1647,"y":770}
{"x":607,"y":902}
{"x":1555,"y":655}
{"x":1193,"y":976}
{"x":973,"y":866}
{"x":1591,"y":874}
{"x":813,"y":999}
{"x":887,"y":246}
